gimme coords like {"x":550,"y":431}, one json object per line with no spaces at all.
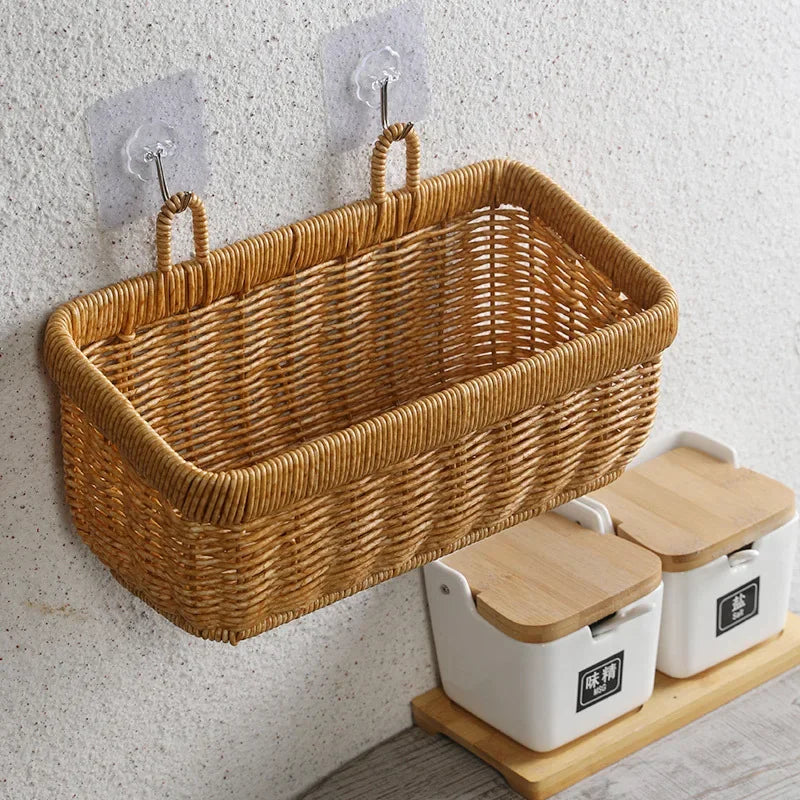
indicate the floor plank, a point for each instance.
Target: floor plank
{"x":746,"y":750}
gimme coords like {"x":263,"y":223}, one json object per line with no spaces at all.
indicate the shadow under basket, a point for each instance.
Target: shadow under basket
{"x":274,"y":425}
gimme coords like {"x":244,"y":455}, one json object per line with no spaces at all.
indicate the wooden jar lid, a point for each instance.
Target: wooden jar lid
{"x":689,"y":508}
{"x":548,"y":577}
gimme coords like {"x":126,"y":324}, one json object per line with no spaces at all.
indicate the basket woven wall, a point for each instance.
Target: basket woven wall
{"x":274,"y":425}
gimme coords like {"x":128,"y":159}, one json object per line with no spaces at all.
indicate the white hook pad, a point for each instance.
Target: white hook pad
{"x":390,"y":42}
{"x":126,"y":186}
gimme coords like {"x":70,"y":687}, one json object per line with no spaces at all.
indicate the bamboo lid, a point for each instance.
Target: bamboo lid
{"x":548,"y":577}
{"x":689,"y":508}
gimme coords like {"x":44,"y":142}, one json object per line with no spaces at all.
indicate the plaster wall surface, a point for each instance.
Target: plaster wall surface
{"x":676,"y":123}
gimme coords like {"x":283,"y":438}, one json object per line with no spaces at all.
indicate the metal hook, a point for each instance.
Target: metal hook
{"x":385,"y":102}
{"x":155,"y":155}
{"x":385,"y":109}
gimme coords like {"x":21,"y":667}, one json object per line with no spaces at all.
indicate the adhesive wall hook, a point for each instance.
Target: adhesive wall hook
{"x":357,"y":59}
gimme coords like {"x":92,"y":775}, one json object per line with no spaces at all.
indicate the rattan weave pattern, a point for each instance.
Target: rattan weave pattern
{"x":276,"y":424}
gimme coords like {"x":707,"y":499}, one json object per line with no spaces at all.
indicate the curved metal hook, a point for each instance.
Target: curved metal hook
{"x":385,"y":109}
{"x":156,"y":155}
{"x":385,"y":103}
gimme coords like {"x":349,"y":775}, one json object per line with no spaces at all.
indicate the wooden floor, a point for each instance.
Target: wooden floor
{"x":746,"y":750}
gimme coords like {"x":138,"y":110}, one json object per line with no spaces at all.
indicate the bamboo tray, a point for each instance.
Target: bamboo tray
{"x":674,"y":703}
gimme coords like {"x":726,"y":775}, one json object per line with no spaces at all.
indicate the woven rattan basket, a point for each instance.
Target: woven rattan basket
{"x":274,"y":425}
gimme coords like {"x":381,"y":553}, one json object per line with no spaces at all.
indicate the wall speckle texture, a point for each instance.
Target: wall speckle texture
{"x":676,"y":123}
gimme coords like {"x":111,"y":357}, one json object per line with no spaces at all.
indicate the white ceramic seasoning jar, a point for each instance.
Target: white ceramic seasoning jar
{"x":726,"y":538}
{"x":549,"y":629}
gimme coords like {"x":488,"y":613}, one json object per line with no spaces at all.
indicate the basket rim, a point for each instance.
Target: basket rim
{"x":240,"y":496}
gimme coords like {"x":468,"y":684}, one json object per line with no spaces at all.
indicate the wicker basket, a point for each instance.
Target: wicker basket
{"x":274,"y":425}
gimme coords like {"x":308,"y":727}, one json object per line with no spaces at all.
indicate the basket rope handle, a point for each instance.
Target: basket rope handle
{"x":175,"y":205}
{"x":394,"y":133}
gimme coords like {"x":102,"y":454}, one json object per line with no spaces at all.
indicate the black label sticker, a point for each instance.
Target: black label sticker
{"x":737,"y":606}
{"x":599,"y":681}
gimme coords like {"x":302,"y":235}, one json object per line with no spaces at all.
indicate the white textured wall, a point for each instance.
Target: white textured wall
{"x":677,"y":123}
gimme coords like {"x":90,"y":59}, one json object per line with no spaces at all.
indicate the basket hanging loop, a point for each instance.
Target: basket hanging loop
{"x":175,"y":205}
{"x":394,"y":133}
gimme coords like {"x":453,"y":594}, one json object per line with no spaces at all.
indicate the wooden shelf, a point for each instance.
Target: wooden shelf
{"x":674,"y":704}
